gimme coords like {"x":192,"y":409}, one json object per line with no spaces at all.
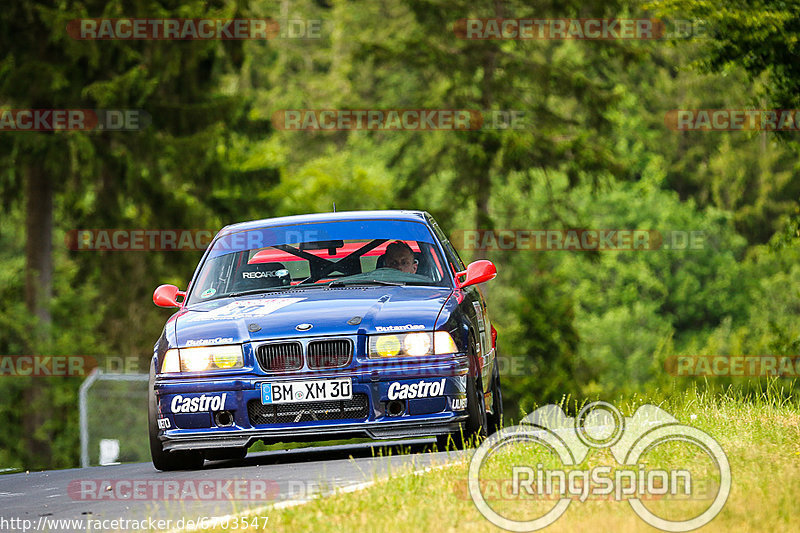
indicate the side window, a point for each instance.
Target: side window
{"x":450,"y":252}
{"x":431,"y":258}
{"x":452,"y":256}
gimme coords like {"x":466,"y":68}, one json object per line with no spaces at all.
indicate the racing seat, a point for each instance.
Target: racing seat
{"x":261,"y":276}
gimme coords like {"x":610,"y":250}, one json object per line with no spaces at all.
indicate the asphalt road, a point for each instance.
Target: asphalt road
{"x":93,"y":497}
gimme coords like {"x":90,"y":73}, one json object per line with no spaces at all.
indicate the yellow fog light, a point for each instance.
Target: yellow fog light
{"x":387,"y":346}
{"x":200,"y":358}
{"x":227,"y":359}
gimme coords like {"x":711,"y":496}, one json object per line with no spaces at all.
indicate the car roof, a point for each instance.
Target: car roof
{"x":390,"y":214}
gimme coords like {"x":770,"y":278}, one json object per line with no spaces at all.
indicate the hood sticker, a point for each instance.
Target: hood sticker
{"x":244,"y":309}
{"x":209,"y":342}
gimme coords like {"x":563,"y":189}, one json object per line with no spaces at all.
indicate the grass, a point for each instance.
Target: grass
{"x":760,"y":434}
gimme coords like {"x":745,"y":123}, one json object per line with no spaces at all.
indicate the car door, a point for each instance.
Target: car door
{"x":474,"y":307}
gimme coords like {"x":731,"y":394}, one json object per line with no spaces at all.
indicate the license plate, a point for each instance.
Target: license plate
{"x":306,"y":391}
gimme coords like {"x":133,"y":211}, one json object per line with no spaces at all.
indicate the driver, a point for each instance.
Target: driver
{"x":400,"y":257}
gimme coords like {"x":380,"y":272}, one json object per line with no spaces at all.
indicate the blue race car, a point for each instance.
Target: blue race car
{"x":324,"y":326}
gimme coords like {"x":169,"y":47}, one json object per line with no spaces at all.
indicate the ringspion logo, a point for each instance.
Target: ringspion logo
{"x":568,"y":441}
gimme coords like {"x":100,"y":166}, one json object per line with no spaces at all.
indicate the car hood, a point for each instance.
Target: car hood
{"x":329,"y":311}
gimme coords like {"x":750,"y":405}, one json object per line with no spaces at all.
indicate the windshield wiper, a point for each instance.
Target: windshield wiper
{"x":342,"y":283}
{"x":255,"y":291}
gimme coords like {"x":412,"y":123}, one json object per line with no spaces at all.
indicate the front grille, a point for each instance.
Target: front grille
{"x":355,"y":408}
{"x":329,"y":353}
{"x":280,"y":357}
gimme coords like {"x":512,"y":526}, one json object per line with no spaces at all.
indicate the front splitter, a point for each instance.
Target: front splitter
{"x":382,"y":431}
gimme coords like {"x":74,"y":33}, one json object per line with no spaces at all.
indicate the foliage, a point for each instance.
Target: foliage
{"x":593,"y":152}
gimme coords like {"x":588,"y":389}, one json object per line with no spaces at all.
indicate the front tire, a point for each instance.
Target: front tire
{"x":474,"y":429}
{"x":496,"y":418}
{"x":166,"y":461}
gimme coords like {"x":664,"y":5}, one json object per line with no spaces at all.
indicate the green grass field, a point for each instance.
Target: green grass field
{"x":760,"y":434}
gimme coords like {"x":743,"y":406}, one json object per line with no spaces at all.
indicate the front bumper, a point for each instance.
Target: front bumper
{"x":242,"y":438}
{"x":419,"y":417}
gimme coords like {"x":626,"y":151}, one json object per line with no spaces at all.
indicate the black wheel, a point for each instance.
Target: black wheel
{"x":475,"y":427}
{"x":496,"y":418}
{"x":166,"y":461}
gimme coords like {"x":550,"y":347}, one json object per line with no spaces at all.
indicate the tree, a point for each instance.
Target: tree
{"x":173,"y":174}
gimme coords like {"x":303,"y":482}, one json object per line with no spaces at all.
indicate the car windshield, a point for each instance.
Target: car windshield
{"x":327,"y":254}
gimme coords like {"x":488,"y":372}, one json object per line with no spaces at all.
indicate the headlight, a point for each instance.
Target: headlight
{"x":172,"y":362}
{"x":201,"y":358}
{"x":413,"y":344}
{"x":417,"y":343}
{"x":443,"y":343}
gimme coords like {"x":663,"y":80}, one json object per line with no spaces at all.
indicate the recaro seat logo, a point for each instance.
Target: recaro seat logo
{"x":269,"y":274}
{"x":631,"y":441}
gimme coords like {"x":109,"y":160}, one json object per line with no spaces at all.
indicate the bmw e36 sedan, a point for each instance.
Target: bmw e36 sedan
{"x":319,"y":327}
